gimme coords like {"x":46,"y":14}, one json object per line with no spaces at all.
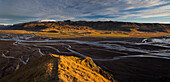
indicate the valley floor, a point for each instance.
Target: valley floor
{"x":90,"y":33}
{"x":127,"y":59}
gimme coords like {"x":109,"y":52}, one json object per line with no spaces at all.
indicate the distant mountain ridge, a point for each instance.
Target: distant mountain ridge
{"x":5,"y":26}
{"x":97,"y":25}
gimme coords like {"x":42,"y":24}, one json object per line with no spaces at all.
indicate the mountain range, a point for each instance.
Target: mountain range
{"x":97,"y":25}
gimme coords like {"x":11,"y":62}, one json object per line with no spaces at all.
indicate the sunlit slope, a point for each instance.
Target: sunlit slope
{"x":60,"y":68}
{"x":73,"y":69}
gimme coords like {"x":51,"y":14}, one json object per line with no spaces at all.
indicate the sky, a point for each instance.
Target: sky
{"x":144,"y":11}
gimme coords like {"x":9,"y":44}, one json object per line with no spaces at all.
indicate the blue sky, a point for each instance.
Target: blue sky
{"x":18,"y":11}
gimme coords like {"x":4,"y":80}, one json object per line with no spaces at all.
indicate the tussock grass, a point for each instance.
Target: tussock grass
{"x":74,"y":69}
{"x":57,"y":68}
{"x":88,"y":33}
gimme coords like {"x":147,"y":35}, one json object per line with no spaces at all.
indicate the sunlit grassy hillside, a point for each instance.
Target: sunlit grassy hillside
{"x":73,"y":69}
{"x":56,"y":68}
{"x":102,"y":34}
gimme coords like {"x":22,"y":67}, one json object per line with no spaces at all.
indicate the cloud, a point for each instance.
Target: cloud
{"x":148,"y":13}
{"x":144,"y":3}
{"x":26,"y":10}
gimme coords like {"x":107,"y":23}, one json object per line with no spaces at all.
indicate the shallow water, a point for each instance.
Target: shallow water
{"x":149,"y":47}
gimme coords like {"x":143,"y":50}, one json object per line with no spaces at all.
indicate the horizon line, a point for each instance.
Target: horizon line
{"x":83,"y":20}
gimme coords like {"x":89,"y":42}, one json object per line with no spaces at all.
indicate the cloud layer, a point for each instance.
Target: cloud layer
{"x":15,"y":11}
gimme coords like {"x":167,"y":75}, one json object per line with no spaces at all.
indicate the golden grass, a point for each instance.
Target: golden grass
{"x":49,"y":69}
{"x":74,"y":69}
{"x":109,"y":35}
{"x":148,"y":34}
{"x":88,"y":33}
{"x":17,"y":31}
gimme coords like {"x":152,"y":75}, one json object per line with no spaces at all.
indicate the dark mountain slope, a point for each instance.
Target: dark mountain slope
{"x":98,"y":25}
{"x":33,"y":71}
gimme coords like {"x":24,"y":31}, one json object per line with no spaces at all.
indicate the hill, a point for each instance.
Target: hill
{"x":56,"y":68}
{"x":73,"y":29}
{"x":97,"y":25}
